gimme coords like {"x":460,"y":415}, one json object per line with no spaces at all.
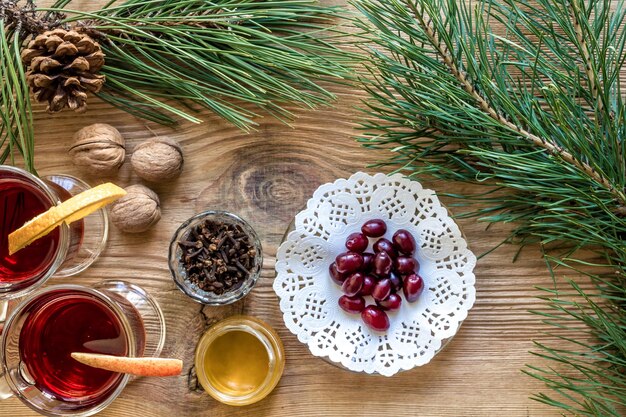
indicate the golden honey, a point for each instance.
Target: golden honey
{"x":236,"y":363}
{"x":240,"y":360}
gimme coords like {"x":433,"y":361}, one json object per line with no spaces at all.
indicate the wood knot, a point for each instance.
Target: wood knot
{"x":277,"y":189}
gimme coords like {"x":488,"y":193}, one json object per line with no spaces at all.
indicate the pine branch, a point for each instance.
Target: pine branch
{"x":218,"y":55}
{"x":16,"y":128}
{"x":484,"y":105}
{"x":536,"y":112}
{"x":584,"y":50}
{"x":599,"y":366}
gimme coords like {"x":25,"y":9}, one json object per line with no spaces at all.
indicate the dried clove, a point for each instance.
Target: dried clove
{"x":217,"y":256}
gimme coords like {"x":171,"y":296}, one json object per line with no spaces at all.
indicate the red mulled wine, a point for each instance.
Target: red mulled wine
{"x":20,"y":201}
{"x":66,"y":321}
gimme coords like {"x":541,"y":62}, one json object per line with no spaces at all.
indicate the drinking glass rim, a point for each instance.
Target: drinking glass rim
{"x":50,"y":193}
{"x":64,"y":234}
{"x":109,"y":302}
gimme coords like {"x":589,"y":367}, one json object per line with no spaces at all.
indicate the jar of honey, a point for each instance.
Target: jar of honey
{"x":240,"y":360}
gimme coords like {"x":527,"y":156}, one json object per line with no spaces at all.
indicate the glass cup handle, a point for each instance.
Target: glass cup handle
{"x":5,"y":390}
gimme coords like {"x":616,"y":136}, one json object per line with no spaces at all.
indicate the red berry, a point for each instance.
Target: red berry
{"x":357,"y":242}
{"x":405,"y":265}
{"x":349,"y":262}
{"x":396,"y":282}
{"x":404,"y":241}
{"x":391,"y":303}
{"x":352,"y":304}
{"x":374,"y":228}
{"x":352,"y":285}
{"x":382,"y":264}
{"x":412,"y":287}
{"x":368,"y":262}
{"x":369,"y":282}
{"x":336,"y":276}
{"x":383,"y":245}
{"x":382,"y":289}
{"x":375,"y":318}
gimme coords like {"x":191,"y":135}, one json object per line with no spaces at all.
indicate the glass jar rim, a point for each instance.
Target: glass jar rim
{"x":265,"y":334}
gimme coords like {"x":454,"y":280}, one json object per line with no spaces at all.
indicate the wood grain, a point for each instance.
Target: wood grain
{"x":266,"y":177}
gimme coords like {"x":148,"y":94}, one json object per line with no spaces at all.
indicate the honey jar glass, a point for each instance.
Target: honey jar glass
{"x":239,"y":360}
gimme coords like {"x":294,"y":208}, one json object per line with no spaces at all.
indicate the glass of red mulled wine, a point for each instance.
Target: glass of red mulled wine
{"x":113,"y":318}
{"x":65,"y":251}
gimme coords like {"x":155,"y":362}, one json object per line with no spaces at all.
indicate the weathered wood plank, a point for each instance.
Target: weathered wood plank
{"x":266,"y":177}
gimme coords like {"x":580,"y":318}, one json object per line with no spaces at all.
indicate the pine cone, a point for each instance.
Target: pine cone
{"x":62,"y":66}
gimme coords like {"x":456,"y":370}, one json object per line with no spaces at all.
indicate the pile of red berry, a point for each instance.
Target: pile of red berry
{"x":381,"y":274}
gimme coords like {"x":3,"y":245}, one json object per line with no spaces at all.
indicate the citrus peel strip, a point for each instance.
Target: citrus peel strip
{"x":75,"y":208}
{"x":134,"y":366}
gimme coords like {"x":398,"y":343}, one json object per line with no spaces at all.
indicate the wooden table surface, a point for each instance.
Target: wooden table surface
{"x":266,"y":177}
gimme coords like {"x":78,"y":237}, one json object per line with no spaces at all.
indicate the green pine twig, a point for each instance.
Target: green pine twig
{"x":536,"y":113}
{"x":227,"y":56}
{"x":16,"y":127}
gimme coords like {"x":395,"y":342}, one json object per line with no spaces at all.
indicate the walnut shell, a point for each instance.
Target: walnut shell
{"x":99,"y":148}
{"x":158,"y":159}
{"x":137,"y":211}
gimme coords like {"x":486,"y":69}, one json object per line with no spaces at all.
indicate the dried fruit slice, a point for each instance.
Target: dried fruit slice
{"x":135,"y":366}
{"x":75,"y":208}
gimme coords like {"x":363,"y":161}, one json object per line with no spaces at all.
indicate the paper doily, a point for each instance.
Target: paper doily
{"x":308,"y":297}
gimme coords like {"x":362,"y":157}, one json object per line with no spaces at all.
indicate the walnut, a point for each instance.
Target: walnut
{"x":99,"y":148}
{"x":158,"y":159}
{"x":137,"y":211}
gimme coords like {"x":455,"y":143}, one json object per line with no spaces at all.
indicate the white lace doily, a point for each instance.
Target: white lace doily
{"x":308,"y":296}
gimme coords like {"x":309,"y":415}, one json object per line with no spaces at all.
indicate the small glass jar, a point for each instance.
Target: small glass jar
{"x":213,"y":374}
{"x":180,"y":275}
